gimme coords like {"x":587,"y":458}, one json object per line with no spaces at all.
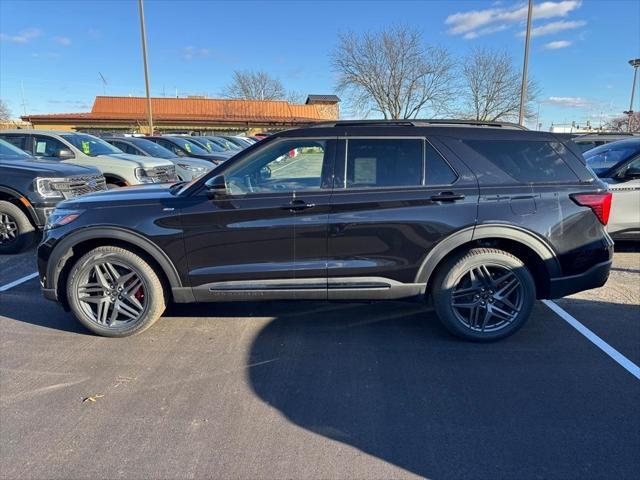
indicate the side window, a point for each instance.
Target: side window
{"x":19,"y":141}
{"x":47,"y":147}
{"x":524,"y":160}
{"x":172,"y":147}
{"x":284,"y":166}
{"x":126,"y":148}
{"x":438,"y":171}
{"x":384,"y":163}
{"x":118,"y":145}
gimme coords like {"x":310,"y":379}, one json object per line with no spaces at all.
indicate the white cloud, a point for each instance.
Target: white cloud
{"x":570,"y":102}
{"x":555,"y":27}
{"x":474,"y":23}
{"x":189,"y":53}
{"x":25,"y":36}
{"x":64,"y":41}
{"x":557,"y":44}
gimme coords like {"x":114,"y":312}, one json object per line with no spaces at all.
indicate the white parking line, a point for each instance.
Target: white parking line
{"x":623,"y":361}
{"x":15,"y":283}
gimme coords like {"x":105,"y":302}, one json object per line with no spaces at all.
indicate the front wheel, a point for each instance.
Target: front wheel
{"x":484,"y":294}
{"x":16,"y":231}
{"x":114,"y":292}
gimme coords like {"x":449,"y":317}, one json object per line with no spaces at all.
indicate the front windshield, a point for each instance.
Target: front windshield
{"x":8,"y":151}
{"x":225,"y":144}
{"x":606,"y":157}
{"x":90,"y":145}
{"x":189,"y":146}
{"x":208,"y":144}
{"x":153,"y":149}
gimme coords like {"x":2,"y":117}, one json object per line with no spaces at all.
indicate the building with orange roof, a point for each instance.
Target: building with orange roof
{"x":191,"y":114}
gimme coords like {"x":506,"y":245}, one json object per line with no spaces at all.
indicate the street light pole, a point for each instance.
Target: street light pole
{"x":523,"y":88}
{"x":146,"y":68}
{"x":635,"y":63}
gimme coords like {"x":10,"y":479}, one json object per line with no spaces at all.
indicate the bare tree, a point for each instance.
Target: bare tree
{"x":294,"y":96}
{"x":491,"y":87}
{"x":5,"y":113}
{"x":250,"y":85}
{"x":392,"y":73}
{"x":621,"y":123}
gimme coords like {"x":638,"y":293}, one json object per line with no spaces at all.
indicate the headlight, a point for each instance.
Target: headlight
{"x":142,"y":174}
{"x":61,"y":217}
{"x":47,"y":187}
{"x":191,"y":168}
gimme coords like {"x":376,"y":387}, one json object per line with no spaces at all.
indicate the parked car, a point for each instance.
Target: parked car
{"x":618,"y":164}
{"x":119,"y":169}
{"x":210,"y":145}
{"x":592,"y":140}
{"x":226,"y":144}
{"x":31,"y":188}
{"x":239,"y":141}
{"x":183,"y":147}
{"x":187,"y":168}
{"x":483,"y":218}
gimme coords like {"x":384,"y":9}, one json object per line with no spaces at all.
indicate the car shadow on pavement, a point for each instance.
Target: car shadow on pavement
{"x":391,"y":382}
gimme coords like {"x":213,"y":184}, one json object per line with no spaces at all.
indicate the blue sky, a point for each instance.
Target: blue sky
{"x":56,"y":49}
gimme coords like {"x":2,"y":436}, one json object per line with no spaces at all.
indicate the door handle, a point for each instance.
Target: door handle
{"x":296,"y":205}
{"x":447,"y":197}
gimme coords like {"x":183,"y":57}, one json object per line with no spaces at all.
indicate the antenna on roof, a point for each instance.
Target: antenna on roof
{"x":104,"y":83}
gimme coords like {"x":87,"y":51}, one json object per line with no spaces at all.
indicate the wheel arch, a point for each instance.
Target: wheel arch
{"x":20,"y":201}
{"x":527,"y":246}
{"x":80,"y":242}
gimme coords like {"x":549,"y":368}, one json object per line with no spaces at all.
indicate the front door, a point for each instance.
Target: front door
{"x":267,"y":238}
{"x":395,"y":198}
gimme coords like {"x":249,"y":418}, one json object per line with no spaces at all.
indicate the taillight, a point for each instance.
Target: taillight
{"x":600,"y":203}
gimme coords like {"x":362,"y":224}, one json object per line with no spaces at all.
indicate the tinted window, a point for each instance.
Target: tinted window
{"x":47,"y":147}
{"x":384,"y":163}
{"x":8,"y":150}
{"x":189,"y":146}
{"x":604,"y":158}
{"x":438,"y":170}
{"x":16,"y":140}
{"x":90,"y":145}
{"x":525,"y":161}
{"x":287,"y":166}
{"x":153,"y":149}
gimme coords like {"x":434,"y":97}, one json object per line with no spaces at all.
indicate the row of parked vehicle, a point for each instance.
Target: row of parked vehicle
{"x":39,"y":168}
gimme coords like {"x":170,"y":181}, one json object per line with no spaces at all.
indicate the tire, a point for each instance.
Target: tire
{"x":16,"y":230}
{"x":114,"y":306}
{"x":483,"y":294}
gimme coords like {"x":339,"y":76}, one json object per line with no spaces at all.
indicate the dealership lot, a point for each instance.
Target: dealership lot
{"x":319,"y":390}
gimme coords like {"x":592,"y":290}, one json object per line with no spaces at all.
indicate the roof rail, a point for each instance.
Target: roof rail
{"x":419,"y":123}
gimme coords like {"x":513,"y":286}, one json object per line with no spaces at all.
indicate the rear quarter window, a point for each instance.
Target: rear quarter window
{"x":526,"y":161}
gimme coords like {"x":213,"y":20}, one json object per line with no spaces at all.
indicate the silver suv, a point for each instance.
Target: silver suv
{"x":119,"y":168}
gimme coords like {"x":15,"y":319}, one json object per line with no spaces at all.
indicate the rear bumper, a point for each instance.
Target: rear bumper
{"x":595,"y":277}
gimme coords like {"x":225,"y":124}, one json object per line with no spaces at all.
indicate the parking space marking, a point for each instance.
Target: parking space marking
{"x":623,"y":361}
{"x":15,"y":283}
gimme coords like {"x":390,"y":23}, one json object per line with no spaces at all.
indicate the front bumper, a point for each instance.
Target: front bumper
{"x":594,"y":277}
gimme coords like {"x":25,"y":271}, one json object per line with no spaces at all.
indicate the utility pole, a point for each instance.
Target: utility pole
{"x":146,"y":69}
{"x":635,"y":63}
{"x":523,"y":88}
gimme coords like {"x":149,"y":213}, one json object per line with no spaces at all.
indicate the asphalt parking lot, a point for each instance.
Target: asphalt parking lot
{"x":317,"y":390}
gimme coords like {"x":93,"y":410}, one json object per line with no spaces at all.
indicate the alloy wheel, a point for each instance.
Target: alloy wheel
{"x":8,"y":229}
{"x":487,"y":298}
{"x":112,"y":294}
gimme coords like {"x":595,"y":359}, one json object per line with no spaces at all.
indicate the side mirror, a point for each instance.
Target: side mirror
{"x":632,"y":173}
{"x":65,"y":153}
{"x":216,"y":186}
{"x":265,"y":173}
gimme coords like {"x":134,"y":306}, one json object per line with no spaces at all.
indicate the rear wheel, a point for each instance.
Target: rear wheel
{"x":114,"y":292}
{"x":484,"y":294}
{"x":16,"y":231}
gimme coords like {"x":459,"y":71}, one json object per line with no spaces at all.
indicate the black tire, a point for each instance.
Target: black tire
{"x":92,"y":287}
{"x":480,"y":285}
{"x":16,"y":230}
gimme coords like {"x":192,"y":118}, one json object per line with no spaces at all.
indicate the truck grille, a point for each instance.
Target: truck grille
{"x":164,"y":174}
{"x":79,"y":185}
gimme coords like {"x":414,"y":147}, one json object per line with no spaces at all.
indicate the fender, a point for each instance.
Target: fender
{"x":24,"y":201}
{"x":62,"y":250}
{"x":479,"y":232}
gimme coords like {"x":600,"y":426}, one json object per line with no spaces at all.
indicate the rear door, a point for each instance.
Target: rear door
{"x":394,"y":199}
{"x":625,"y":205}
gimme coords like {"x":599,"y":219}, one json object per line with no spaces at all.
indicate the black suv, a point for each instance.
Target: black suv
{"x":31,"y":188}
{"x":480,"y":218}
